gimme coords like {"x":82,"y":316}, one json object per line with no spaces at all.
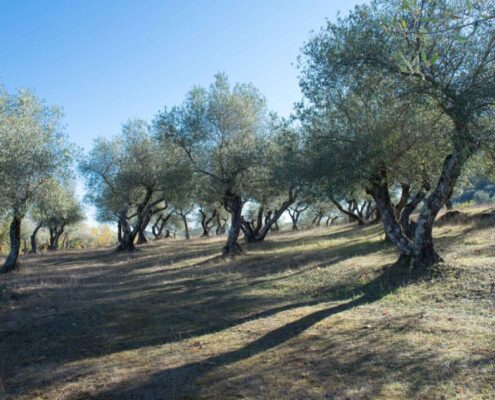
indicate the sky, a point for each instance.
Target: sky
{"x":107,"y":61}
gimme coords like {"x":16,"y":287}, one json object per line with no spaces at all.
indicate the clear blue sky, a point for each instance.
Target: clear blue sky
{"x":106,"y":61}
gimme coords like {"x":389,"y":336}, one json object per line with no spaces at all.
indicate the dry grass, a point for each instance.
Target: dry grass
{"x":306,"y":315}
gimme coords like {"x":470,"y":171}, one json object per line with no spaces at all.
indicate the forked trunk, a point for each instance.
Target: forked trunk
{"x":207,"y":222}
{"x":15,"y":243}
{"x":415,"y":240}
{"x":55,"y":234}
{"x":256,"y":231}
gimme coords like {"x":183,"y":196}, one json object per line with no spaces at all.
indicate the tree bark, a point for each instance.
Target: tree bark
{"x":127,"y":242}
{"x":233,"y":204}
{"x":220,"y":230}
{"x":330,"y":220}
{"x":141,"y":236}
{"x":352,"y":217}
{"x":295,"y":214}
{"x":186,"y":227}
{"x":34,"y":247}
{"x":425,"y":255}
{"x":207,"y":222}
{"x":294,"y":217}
{"x":11,"y":261}
{"x":55,"y":233}
{"x":257,"y":232}
{"x":416,"y":246}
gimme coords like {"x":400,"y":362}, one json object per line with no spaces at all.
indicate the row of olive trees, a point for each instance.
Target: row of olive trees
{"x":218,"y":150}
{"x":398,"y":97}
{"x":35,"y":168}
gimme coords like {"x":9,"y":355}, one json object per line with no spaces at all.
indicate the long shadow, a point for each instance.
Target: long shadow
{"x":177,"y":382}
{"x":98,"y":322}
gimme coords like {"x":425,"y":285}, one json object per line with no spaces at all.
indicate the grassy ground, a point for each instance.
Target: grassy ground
{"x":306,"y":315}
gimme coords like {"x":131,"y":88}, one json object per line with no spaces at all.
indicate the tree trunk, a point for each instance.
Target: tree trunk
{"x":119,"y":232}
{"x":330,"y":220}
{"x":207,"y":222}
{"x":127,"y":242}
{"x":258,"y":232}
{"x":141,"y":237}
{"x":352,"y":217}
{"x":204,"y":225}
{"x":15,"y":243}
{"x":233,"y":204}
{"x":186,"y":227}
{"x":294,"y":216}
{"x":418,"y":249}
{"x":34,"y":247}
{"x":65,"y":241}
{"x":55,"y":234}
{"x":220,"y":230}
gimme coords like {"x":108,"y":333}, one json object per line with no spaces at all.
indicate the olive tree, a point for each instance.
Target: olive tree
{"x":55,"y":208}
{"x":129,"y":179}
{"x":441,"y":50}
{"x":33,"y":149}
{"x":279,"y":181}
{"x":220,"y":129}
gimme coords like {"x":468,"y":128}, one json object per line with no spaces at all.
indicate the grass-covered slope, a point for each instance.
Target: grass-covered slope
{"x":305,"y":315}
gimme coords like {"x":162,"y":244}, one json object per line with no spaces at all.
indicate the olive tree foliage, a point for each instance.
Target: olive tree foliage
{"x":208,"y":205}
{"x":221,"y":130}
{"x":33,"y":149}
{"x":130,"y":177}
{"x":281,"y":179}
{"x":55,"y":207}
{"x":439,"y":53}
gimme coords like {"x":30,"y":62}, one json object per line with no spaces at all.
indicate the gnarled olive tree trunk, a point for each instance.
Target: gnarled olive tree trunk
{"x":255,"y":231}
{"x":126,"y":242}
{"x":220,"y":223}
{"x":295,"y":214}
{"x":233,"y":204}
{"x":55,"y":233}
{"x":415,"y":239}
{"x":34,"y":247}
{"x":159,"y":226}
{"x":15,"y":242}
{"x":207,"y":222}
{"x":352,"y":206}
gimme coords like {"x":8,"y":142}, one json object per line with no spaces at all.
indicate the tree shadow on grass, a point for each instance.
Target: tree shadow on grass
{"x":179,"y":382}
{"x":113,"y":308}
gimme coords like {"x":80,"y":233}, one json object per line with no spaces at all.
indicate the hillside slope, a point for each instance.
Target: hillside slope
{"x":306,"y":315}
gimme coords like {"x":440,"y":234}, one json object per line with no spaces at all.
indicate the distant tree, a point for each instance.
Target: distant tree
{"x":280,"y":180}
{"x":221,"y":131}
{"x":161,"y":221}
{"x":295,"y":211}
{"x":55,"y":208}
{"x":129,"y":179}
{"x":183,"y":213}
{"x":33,"y":149}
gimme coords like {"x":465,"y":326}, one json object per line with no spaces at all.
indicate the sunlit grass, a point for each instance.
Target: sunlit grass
{"x":294,"y":317}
